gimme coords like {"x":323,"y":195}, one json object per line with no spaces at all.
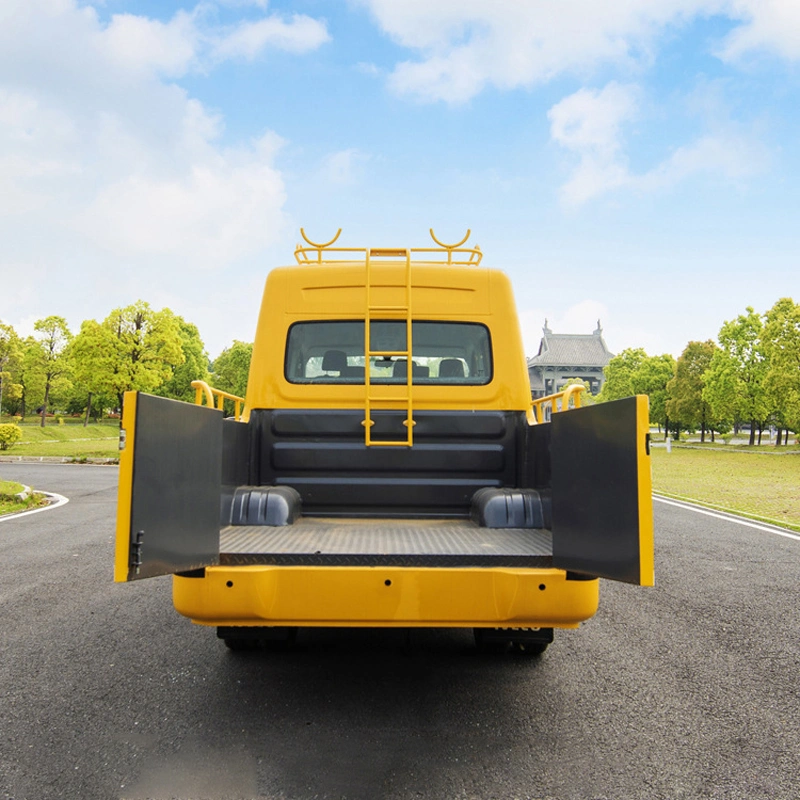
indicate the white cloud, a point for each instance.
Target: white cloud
{"x":34,"y":35}
{"x":210,"y":214}
{"x":111,"y":172}
{"x":139,"y":43}
{"x":590,"y":120}
{"x":341,"y":168}
{"x":262,"y":4}
{"x":589,"y":124}
{"x":248,"y":39}
{"x":770,"y":26}
{"x":465,"y":46}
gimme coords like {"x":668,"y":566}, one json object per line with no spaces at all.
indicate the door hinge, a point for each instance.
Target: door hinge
{"x":136,"y":551}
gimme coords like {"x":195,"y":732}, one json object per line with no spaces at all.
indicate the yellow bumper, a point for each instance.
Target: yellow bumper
{"x":385,"y":597}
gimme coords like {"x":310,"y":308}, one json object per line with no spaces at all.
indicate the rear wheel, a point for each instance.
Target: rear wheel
{"x":529,"y":648}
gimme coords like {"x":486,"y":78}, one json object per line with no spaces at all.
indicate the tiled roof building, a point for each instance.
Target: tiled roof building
{"x":563,"y":356}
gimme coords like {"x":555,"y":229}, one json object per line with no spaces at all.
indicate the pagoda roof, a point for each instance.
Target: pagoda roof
{"x":572,"y":350}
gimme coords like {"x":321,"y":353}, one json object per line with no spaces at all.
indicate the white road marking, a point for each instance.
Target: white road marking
{"x":60,"y":500}
{"x":728,"y":518}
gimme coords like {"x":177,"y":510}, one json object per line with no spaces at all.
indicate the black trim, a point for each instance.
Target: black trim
{"x":358,"y":380}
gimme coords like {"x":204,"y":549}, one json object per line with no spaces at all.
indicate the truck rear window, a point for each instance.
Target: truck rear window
{"x":442,"y":352}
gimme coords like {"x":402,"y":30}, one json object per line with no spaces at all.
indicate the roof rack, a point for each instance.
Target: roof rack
{"x":325,"y":253}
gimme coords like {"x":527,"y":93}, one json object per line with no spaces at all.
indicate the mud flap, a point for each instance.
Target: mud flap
{"x":168,"y":512}
{"x":602,"y":491}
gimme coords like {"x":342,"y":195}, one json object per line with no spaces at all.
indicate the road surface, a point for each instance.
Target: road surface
{"x":687,"y":690}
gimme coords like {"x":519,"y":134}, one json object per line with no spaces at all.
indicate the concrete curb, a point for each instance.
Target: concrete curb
{"x":57,"y":460}
{"x":54,"y":501}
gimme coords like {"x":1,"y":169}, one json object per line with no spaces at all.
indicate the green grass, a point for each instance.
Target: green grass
{"x":758,"y":484}
{"x":68,"y":441}
{"x":10,"y":503}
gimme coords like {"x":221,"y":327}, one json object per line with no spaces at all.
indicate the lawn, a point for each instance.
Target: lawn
{"x":10,"y":503}
{"x":757,"y":484}
{"x":68,"y":441}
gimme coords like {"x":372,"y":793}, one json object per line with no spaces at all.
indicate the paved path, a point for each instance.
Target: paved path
{"x":688,"y":690}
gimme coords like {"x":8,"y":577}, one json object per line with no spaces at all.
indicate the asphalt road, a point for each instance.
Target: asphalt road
{"x":687,"y":690}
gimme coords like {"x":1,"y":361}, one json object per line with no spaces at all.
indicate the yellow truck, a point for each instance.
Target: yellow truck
{"x":387,"y":467}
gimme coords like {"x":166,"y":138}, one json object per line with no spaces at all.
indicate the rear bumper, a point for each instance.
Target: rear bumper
{"x":385,"y":597}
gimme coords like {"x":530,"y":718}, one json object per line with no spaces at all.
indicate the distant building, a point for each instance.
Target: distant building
{"x":563,"y":356}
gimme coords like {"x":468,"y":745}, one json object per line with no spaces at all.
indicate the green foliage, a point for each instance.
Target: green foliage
{"x":232,"y":367}
{"x":619,"y":374}
{"x":634,"y":372}
{"x":133,"y":348}
{"x":194,"y":366}
{"x":49,"y":361}
{"x":652,"y":378}
{"x":10,"y":434}
{"x":686,"y":405}
{"x":10,"y":354}
{"x":734,"y":382}
{"x":782,"y":348}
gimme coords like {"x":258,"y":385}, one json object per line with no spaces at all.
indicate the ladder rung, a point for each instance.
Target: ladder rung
{"x":381,"y":443}
{"x":374,"y":399}
{"x":398,"y":309}
{"x":387,"y":252}
{"x":389,"y":353}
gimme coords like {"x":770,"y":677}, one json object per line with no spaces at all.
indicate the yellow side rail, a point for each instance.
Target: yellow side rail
{"x":542,"y":404}
{"x":202,"y":389}
{"x":451,"y":254}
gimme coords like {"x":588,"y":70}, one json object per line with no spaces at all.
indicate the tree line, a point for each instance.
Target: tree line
{"x":87,"y":373}
{"x":749,"y":377}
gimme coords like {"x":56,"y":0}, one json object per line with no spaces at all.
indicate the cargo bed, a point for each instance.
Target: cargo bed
{"x":316,"y":541}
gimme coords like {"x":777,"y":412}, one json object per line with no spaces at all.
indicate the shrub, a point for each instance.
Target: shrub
{"x":9,"y":435}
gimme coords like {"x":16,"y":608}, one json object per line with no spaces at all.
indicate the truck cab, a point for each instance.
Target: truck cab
{"x":387,"y":467}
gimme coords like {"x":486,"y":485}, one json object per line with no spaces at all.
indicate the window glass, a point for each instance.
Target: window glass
{"x":442,"y":352}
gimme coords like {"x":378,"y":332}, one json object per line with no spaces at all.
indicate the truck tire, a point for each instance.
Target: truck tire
{"x":521,"y":641}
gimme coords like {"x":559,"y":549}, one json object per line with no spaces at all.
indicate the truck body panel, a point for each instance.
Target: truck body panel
{"x":389,"y":467}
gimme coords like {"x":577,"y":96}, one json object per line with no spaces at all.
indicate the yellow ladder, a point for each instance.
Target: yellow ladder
{"x":379,"y":312}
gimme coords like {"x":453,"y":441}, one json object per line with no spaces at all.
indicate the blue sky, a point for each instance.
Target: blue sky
{"x":633,"y":161}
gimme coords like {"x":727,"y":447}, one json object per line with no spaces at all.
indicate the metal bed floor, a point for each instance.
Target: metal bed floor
{"x":385,"y":542}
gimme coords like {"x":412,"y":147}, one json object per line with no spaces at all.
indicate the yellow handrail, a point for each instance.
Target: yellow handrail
{"x":321,"y":252}
{"x":565,"y":395}
{"x":202,"y":389}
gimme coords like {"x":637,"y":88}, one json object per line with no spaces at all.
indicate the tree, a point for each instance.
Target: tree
{"x":231,"y":368}
{"x":50,"y":356}
{"x":781,"y":344}
{"x":652,"y":378}
{"x":686,"y":404}
{"x":134,"y":348}
{"x":10,"y":354}
{"x":619,"y":374}
{"x":194,"y":366}
{"x":28,"y":377}
{"x":734,"y":383}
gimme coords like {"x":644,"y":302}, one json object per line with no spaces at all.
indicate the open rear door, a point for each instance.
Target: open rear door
{"x":168,"y":512}
{"x":602,"y":491}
